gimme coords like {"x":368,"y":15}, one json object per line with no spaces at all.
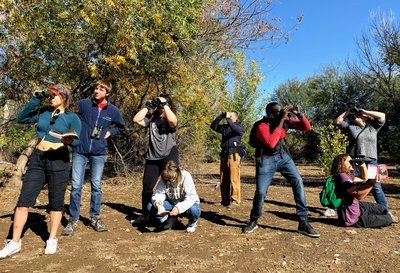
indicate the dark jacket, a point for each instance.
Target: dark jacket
{"x":231,"y":134}
{"x":109,"y":119}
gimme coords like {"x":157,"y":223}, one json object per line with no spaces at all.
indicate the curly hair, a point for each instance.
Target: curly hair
{"x":338,"y":165}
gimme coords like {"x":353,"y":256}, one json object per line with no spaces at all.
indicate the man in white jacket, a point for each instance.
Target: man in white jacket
{"x":176,"y":194}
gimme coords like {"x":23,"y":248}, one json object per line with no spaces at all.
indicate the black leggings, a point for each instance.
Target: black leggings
{"x":152,"y":171}
{"x":373,"y":216}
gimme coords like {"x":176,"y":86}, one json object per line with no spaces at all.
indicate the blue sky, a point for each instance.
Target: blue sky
{"x":327,"y":35}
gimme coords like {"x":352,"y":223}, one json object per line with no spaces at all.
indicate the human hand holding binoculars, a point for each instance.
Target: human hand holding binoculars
{"x":156,"y":102}
{"x":356,"y":111}
{"x":227,"y":114}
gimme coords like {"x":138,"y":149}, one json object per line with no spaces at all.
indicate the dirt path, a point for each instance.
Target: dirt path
{"x":218,"y":244}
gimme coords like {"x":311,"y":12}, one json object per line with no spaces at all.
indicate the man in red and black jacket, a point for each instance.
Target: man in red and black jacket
{"x":272,"y":156}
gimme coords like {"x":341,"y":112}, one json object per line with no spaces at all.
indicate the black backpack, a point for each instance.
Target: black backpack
{"x":253,"y":141}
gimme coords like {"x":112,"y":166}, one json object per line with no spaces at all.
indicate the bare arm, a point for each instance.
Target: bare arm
{"x":342,"y":117}
{"x":362,"y":190}
{"x":170,"y":116}
{"x":139,"y":117}
{"x":374,"y":114}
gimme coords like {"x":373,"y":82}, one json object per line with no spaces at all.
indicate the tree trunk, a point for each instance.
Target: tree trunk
{"x":16,"y":179}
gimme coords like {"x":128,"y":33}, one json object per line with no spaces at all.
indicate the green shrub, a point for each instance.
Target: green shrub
{"x":332,"y":142}
{"x":14,"y":141}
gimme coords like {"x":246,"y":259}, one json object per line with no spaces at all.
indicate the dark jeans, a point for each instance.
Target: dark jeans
{"x":152,"y":171}
{"x":266,"y":167}
{"x":373,"y":216}
{"x":51,"y":168}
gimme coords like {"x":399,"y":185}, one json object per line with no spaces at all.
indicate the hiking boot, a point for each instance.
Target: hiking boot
{"x":233,"y":205}
{"x":98,"y":224}
{"x":141,"y":220}
{"x":306,"y":229}
{"x":250,"y":227}
{"x":51,"y":246}
{"x":169,"y":223}
{"x":191,"y":227}
{"x":330,"y":213}
{"x":70,"y":228}
{"x":10,"y":248}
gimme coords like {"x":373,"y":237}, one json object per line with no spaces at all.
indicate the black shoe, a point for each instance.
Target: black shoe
{"x":141,"y":220}
{"x":250,"y":227}
{"x":168,"y":224}
{"x":306,"y":229}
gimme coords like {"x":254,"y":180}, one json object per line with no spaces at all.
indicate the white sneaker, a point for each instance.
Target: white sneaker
{"x":191,"y":227}
{"x":51,"y":246}
{"x":330,"y":213}
{"x":11,"y":248}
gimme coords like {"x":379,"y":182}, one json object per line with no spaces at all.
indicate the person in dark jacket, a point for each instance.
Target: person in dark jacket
{"x":230,"y":156}
{"x":101,"y":120}
{"x":49,"y":163}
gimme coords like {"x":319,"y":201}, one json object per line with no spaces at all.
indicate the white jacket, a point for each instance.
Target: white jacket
{"x":185,"y":198}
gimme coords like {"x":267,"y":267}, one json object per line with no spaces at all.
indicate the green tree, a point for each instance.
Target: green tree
{"x":144,"y":48}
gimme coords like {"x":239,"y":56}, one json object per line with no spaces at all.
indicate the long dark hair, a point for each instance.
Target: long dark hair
{"x":338,"y":165}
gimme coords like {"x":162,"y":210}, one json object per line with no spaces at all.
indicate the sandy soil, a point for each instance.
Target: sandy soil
{"x":218,"y":245}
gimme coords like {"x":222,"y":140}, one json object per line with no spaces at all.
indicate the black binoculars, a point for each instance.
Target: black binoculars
{"x":96,"y":132}
{"x":155,"y":103}
{"x":354,"y":110}
{"x":43,"y":94}
{"x":359,"y":159}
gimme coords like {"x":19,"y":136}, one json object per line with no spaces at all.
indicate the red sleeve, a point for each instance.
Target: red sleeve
{"x":268,"y":139}
{"x":301,"y":124}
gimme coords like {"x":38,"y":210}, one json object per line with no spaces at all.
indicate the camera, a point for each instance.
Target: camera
{"x":96,"y":132}
{"x":43,"y":94}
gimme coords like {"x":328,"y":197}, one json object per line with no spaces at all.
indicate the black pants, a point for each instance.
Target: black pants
{"x":373,"y":216}
{"x":152,"y":171}
{"x":51,"y":168}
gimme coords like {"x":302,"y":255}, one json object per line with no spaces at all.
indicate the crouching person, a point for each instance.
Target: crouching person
{"x":175,"y":195}
{"x":353,"y":212}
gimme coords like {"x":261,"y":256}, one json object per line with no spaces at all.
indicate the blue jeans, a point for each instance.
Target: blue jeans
{"x":377,"y":190}
{"x":79,"y":162}
{"x":193,"y":213}
{"x":266,"y":167}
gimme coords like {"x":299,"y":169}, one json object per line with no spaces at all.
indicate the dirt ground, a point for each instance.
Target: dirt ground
{"x":218,"y":245}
